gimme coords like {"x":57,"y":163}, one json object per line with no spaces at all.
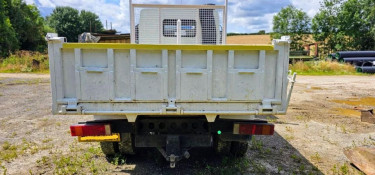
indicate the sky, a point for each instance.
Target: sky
{"x":244,"y":16}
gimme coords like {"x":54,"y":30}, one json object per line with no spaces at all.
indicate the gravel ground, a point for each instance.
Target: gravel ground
{"x":310,"y":139}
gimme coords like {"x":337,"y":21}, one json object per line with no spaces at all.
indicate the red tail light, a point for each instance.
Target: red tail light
{"x":253,"y":129}
{"x":90,"y":129}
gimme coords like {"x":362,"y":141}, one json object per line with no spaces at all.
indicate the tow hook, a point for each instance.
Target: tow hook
{"x":173,"y":151}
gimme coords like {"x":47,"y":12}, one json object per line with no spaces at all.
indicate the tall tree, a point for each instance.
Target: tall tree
{"x":67,"y":22}
{"x":345,"y":25}
{"x":355,"y":24}
{"x":325,"y":26}
{"x":8,"y":39}
{"x":28,"y":24}
{"x":90,"y":22}
{"x":293,"y":22}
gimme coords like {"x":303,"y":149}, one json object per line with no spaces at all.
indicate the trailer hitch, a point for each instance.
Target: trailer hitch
{"x":173,"y":151}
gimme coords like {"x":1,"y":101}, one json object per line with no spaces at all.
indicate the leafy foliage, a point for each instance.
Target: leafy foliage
{"x":21,"y":27}
{"x":293,"y":22}
{"x":90,"y":22}
{"x":66,"y":21}
{"x":345,"y":25}
{"x":8,"y":40}
{"x":28,"y":24}
{"x":69,"y":22}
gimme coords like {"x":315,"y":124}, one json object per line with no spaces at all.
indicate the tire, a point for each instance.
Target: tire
{"x":222,"y":147}
{"x":239,"y":149}
{"x":109,"y":148}
{"x":126,"y":145}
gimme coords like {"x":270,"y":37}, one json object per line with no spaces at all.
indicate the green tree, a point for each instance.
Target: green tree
{"x":356,"y":24}
{"x":293,"y":22}
{"x":325,"y":26}
{"x":28,"y":24}
{"x":345,"y":25}
{"x":90,"y":22}
{"x":8,"y":39}
{"x":66,"y":22}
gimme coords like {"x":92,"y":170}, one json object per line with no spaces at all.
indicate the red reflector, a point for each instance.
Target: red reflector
{"x":254,"y":129}
{"x":90,"y":130}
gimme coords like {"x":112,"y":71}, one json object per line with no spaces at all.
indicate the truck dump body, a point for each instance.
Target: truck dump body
{"x":129,"y":80}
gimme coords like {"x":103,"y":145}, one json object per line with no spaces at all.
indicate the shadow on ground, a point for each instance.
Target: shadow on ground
{"x":266,"y":155}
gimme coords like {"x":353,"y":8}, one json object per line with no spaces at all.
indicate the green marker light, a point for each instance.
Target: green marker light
{"x":218,"y":132}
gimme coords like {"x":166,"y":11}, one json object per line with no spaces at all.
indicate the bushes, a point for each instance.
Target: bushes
{"x":322,"y":68}
{"x":25,"y":61}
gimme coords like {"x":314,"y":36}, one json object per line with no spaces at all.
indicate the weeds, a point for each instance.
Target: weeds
{"x":316,"y":157}
{"x":25,"y":61}
{"x":322,"y":68}
{"x":289,"y":137}
{"x":74,"y":163}
{"x":289,"y":129}
{"x":341,"y":170}
{"x":231,"y":165}
{"x":46,"y":140}
{"x":8,"y":152}
{"x":14,"y":134}
{"x":256,"y":144}
{"x":296,"y":158}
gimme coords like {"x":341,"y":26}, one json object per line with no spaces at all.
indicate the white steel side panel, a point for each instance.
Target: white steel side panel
{"x":219,"y":75}
{"x":122,"y":75}
{"x":244,"y":77}
{"x":149,"y":75}
{"x":194,"y":76}
{"x":69,"y":73}
{"x":270,"y":74}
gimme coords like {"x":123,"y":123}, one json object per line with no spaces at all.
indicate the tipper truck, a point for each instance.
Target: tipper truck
{"x":176,"y":86}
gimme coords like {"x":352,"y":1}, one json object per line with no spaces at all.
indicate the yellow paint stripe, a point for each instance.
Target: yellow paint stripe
{"x":166,"y":47}
{"x":115,"y":137}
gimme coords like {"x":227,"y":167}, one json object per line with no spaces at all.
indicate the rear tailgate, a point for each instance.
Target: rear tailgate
{"x":136,"y":79}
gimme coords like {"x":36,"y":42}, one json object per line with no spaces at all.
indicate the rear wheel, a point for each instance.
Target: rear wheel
{"x":222,"y":147}
{"x":126,"y":145}
{"x":109,"y":148}
{"x":239,"y":149}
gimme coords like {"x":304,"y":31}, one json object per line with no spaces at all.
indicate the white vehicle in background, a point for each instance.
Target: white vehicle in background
{"x":175,"y":87}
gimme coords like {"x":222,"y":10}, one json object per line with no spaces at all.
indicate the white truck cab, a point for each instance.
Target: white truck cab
{"x":197,"y":26}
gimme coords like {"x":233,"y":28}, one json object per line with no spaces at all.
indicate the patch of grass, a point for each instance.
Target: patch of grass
{"x":14,"y":134}
{"x":296,"y":158}
{"x":342,"y":169}
{"x":343,"y":129}
{"x":28,"y":82}
{"x":323,"y":68}
{"x":289,"y":137}
{"x":25,"y":61}
{"x":46,"y":140}
{"x":11,"y":151}
{"x":289,"y":129}
{"x":8,"y":152}
{"x":80,"y":160}
{"x":316,"y":157}
{"x":232,"y":165}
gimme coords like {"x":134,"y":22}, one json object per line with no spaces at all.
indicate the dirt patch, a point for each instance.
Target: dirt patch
{"x":308,"y":140}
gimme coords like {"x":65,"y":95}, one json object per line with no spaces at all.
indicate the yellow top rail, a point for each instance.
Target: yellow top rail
{"x":166,"y":47}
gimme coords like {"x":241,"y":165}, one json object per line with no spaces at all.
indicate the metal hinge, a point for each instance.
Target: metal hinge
{"x":71,"y":107}
{"x":267,"y":107}
{"x":171,"y":108}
